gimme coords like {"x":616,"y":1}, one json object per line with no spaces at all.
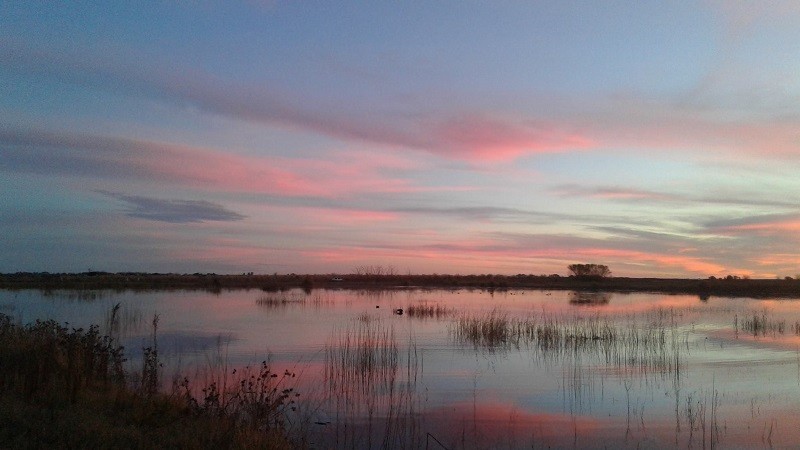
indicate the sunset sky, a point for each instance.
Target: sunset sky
{"x":659,"y":138}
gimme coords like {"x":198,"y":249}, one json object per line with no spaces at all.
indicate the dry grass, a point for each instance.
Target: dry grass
{"x":73,"y":381}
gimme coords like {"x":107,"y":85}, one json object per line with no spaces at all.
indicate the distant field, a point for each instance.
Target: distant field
{"x":735,"y":287}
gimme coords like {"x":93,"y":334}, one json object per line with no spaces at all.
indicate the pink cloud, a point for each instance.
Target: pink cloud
{"x":788,"y":259}
{"x":349,"y":216}
{"x":613,"y":193}
{"x":470,"y":137}
{"x":491,"y":256}
{"x":483,"y":139}
{"x":636,"y":122}
{"x":228,"y":251}
{"x":773,"y":227}
{"x":687,"y":263}
{"x":479,"y":137}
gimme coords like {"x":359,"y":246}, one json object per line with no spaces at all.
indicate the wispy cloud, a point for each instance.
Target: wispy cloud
{"x":458,"y":135}
{"x":85,"y":155}
{"x":482,"y":138}
{"x":634,"y":195}
{"x":483,"y":213}
{"x":174,"y":211}
{"x":613,"y":193}
{"x":626,"y":119}
{"x":772,"y":224}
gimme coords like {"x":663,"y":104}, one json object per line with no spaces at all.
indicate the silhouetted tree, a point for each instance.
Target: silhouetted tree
{"x":378,"y":270}
{"x":589,"y":270}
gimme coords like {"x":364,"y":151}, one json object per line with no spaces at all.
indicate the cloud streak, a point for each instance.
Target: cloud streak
{"x":175,"y":211}
{"x":613,"y":193}
{"x":767,"y":225}
{"x":85,"y":155}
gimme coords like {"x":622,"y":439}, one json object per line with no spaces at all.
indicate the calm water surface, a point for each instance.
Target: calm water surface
{"x":476,"y":369}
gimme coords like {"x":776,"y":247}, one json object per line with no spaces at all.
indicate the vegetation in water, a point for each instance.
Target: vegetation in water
{"x":426,"y":310}
{"x":763,"y":325}
{"x":645,"y":347}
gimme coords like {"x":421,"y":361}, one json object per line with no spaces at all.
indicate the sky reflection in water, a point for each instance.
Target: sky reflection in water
{"x":708,"y":377}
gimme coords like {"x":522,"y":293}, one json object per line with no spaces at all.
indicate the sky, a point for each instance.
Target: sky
{"x":500,"y":137}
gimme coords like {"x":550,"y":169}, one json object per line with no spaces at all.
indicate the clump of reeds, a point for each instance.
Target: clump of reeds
{"x":429,"y":311}
{"x":492,"y":330}
{"x":497,"y":329}
{"x":366,"y":386}
{"x":650,"y":347}
{"x":361,"y":355}
{"x":762,"y":325}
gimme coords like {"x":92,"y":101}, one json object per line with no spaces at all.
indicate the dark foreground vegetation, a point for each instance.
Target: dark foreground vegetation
{"x":725,"y":287}
{"x":66,"y":388}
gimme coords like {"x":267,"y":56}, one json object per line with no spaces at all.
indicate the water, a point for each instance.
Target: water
{"x":671,"y":371}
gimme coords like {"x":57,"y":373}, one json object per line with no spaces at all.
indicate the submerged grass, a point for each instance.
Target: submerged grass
{"x":73,"y":381}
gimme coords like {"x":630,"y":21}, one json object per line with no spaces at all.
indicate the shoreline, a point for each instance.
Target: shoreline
{"x":134,"y":281}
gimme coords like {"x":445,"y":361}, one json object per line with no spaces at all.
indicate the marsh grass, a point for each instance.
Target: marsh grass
{"x":51,"y":361}
{"x":493,"y":330}
{"x":763,"y":325}
{"x":285,"y":299}
{"x":253,"y":396}
{"x":121,"y":320}
{"x":370,"y":400}
{"x":702,"y":418}
{"x":361,"y":355}
{"x":425,"y":310}
{"x":72,"y":379}
{"x":319,"y":300}
{"x":652,"y":346}
{"x":275,"y":300}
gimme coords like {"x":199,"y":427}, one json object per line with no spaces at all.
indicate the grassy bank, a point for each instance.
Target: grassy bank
{"x":723,"y":287}
{"x":66,"y":388}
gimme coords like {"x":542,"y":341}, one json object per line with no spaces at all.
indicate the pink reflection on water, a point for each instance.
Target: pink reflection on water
{"x":475,"y":424}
